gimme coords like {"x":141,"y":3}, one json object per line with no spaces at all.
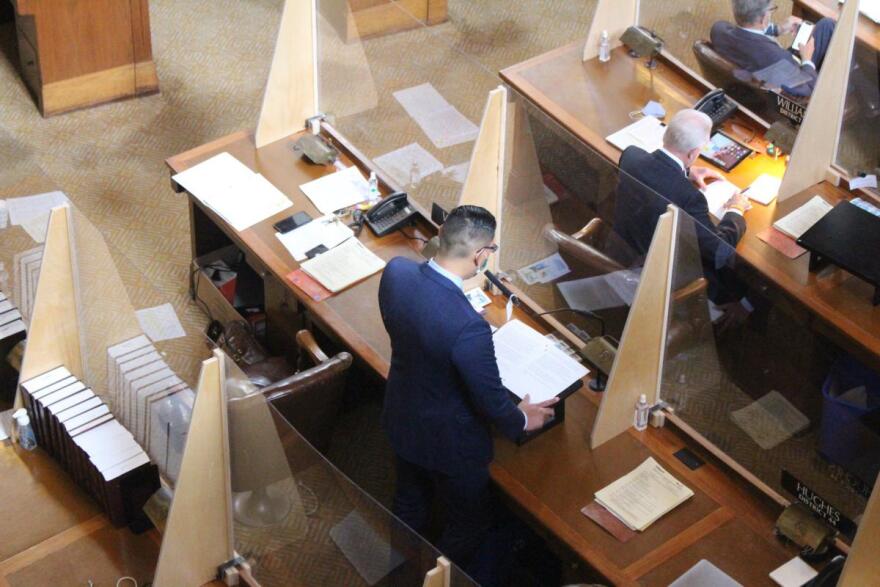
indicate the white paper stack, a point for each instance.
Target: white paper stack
{"x":75,"y":427}
{"x":798,"y":222}
{"x":343,"y":266}
{"x":10,"y":318}
{"x":337,"y":190}
{"x":643,"y":496}
{"x":326,"y":230}
{"x":229,"y":188}
{"x":531,"y":364}
{"x":139,"y":379}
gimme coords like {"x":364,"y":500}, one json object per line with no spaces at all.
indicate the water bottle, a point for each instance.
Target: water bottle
{"x":374,"y":187}
{"x":604,"y":48}
{"x":640,"y":419}
{"x":26,"y":437}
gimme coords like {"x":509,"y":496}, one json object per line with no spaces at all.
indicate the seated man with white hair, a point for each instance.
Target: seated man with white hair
{"x":649,"y":181}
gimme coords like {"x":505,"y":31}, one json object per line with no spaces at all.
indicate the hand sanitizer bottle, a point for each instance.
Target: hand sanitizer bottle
{"x":374,"y":187}
{"x":26,"y":437}
{"x":640,"y":420}
{"x":604,"y":48}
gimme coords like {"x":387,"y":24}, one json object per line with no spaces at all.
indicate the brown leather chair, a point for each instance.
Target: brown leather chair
{"x":311,"y":398}
{"x":308,"y":394}
{"x":582,"y":246}
{"x":737,"y":82}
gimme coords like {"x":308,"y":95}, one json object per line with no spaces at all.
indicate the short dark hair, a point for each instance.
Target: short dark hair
{"x":466,"y":229}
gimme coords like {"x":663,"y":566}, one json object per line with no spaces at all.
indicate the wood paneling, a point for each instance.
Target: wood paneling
{"x":87,"y":51}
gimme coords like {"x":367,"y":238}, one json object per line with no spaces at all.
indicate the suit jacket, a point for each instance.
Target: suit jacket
{"x":443,"y":389}
{"x":753,"y":52}
{"x":638,"y":208}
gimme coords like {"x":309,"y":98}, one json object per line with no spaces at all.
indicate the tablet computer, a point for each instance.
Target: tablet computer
{"x":724,"y":152}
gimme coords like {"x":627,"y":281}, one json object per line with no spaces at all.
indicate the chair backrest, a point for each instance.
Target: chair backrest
{"x":738,"y":83}
{"x":310,"y":400}
{"x":581,"y":246}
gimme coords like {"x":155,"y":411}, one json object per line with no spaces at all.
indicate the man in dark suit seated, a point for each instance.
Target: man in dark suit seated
{"x":444,"y":392}
{"x":751,"y":43}
{"x":650,"y":181}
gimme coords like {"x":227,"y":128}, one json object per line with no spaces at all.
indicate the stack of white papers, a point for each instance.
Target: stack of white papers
{"x":643,"y":496}
{"x":338,"y":190}
{"x":229,"y":188}
{"x":718,"y":193}
{"x":438,"y":119}
{"x":533,"y":365}
{"x":764,"y":189}
{"x":646,"y":133}
{"x":798,"y":222}
{"x":343,"y":266}
{"x":326,"y":230}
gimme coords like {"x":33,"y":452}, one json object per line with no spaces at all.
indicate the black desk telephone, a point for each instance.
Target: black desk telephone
{"x":717,"y":106}
{"x":391,"y":213}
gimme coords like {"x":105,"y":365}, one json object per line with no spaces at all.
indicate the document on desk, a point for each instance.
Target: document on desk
{"x":643,"y":496}
{"x":798,"y":222}
{"x":764,"y":189}
{"x":718,"y":193}
{"x":229,"y":188}
{"x":646,"y":133}
{"x":534,"y":365}
{"x":338,"y":190}
{"x":326,"y":230}
{"x":343,"y":266}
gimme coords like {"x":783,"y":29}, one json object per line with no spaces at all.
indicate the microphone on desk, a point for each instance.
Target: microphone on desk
{"x":493,"y":279}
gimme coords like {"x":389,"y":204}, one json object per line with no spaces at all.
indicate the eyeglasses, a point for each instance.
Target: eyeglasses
{"x":772,"y":8}
{"x":493,"y":248}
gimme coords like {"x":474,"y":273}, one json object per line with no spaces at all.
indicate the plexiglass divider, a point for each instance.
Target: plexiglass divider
{"x":298,"y":520}
{"x":92,"y":303}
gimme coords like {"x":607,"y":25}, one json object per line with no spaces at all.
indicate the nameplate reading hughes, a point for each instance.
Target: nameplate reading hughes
{"x":818,"y":505}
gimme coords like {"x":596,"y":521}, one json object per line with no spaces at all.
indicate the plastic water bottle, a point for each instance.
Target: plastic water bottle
{"x":604,"y":48}
{"x":26,"y":437}
{"x":374,"y":187}
{"x":640,"y":419}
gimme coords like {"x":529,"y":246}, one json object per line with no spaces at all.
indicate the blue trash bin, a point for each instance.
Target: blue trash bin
{"x":844,"y":439}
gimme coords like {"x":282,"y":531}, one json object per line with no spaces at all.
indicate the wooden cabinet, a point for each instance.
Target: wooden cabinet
{"x":79,"y":53}
{"x":356,"y":19}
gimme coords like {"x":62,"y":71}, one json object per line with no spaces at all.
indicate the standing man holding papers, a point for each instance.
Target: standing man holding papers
{"x":444,"y":392}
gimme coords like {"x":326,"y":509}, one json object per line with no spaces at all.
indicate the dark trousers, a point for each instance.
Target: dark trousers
{"x":822,"y":38}
{"x":468,"y":537}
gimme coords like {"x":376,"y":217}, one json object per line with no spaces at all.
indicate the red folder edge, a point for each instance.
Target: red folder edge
{"x":312,"y":288}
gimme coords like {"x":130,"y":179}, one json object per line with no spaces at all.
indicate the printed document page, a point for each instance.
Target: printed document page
{"x":344,"y":265}
{"x":337,"y":190}
{"x":326,"y":230}
{"x":798,"y":222}
{"x":718,"y":193}
{"x":531,"y":364}
{"x":646,"y":133}
{"x":644,"y":495}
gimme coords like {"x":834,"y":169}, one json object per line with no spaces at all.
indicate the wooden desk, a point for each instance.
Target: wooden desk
{"x":80,"y":53}
{"x":867,"y":31}
{"x":552,"y":477}
{"x":593,"y":100}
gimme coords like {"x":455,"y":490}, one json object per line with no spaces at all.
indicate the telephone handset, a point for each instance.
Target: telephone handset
{"x":717,"y":106}
{"x":393,"y":212}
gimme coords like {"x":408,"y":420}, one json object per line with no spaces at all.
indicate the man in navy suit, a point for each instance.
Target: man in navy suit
{"x":649,"y":181}
{"x":444,"y":392}
{"x":751,"y":44}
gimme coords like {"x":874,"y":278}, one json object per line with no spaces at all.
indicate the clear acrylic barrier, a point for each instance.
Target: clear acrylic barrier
{"x":146,"y":384}
{"x":299,"y":520}
{"x":410,"y":96}
{"x":763,"y":378}
{"x":858,"y":148}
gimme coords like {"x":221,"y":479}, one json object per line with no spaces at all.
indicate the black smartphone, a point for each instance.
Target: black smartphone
{"x":291,"y":222}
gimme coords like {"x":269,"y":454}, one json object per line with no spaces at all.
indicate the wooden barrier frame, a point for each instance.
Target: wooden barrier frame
{"x":815,"y":148}
{"x":639,"y":363}
{"x":862,"y":565}
{"x":53,"y":333}
{"x":614,"y":16}
{"x":198,"y":534}
{"x":291,"y":94}
{"x":439,"y":576}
